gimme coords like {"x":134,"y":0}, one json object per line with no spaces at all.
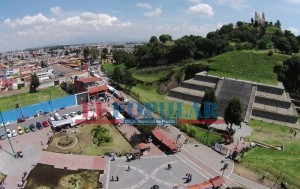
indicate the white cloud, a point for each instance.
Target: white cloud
{"x":195,"y":1}
{"x":29,"y":20}
{"x":144,"y":5}
{"x":236,"y":4}
{"x":56,"y":10}
{"x":155,"y":12}
{"x":294,"y":1}
{"x":201,"y":9}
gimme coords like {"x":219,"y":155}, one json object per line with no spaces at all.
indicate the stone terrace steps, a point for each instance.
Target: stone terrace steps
{"x":187,"y":94}
{"x":233,"y":88}
{"x":198,"y":85}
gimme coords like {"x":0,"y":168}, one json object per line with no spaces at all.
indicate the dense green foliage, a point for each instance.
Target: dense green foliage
{"x":123,"y":77}
{"x":35,"y":83}
{"x":233,"y":112}
{"x":289,"y":73}
{"x":101,"y":135}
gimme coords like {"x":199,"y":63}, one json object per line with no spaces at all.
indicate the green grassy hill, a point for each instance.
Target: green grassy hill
{"x":247,"y":65}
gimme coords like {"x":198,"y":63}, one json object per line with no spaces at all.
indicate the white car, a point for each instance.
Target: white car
{"x":72,"y":114}
{"x":14,"y":133}
{"x":8,"y":133}
{"x":66,"y":116}
{"x":57,"y":117}
{"x":6,"y":124}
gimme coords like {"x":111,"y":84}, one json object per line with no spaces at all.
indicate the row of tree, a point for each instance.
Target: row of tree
{"x":288,"y":72}
{"x":165,"y":50}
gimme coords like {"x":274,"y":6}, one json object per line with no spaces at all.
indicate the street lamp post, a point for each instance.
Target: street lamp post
{"x":20,"y":107}
{"x":50,"y":102}
{"x":6,"y":134}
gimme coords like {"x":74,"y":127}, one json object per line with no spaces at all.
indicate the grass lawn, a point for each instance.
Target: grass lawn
{"x":8,"y":103}
{"x":149,"y":94}
{"x":47,"y":177}
{"x":202,"y":135}
{"x":109,"y":68}
{"x":150,"y":76}
{"x":261,"y":159}
{"x":247,"y":65}
{"x":118,"y":144}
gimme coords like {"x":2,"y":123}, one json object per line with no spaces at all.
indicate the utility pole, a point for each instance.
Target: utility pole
{"x":50,"y":102}
{"x":20,"y":107}
{"x":6,"y":134}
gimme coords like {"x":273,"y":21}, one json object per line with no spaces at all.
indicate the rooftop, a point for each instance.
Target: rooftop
{"x":97,"y":88}
{"x":89,"y":79}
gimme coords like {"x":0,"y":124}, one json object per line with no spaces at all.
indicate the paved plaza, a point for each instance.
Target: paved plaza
{"x":147,"y":172}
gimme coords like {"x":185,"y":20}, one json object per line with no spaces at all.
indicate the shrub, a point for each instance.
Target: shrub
{"x":270,"y":53}
{"x":184,"y":128}
{"x":192,"y":132}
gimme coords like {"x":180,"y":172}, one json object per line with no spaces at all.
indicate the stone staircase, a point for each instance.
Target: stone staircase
{"x":193,"y":90}
{"x":273,"y":104}
{"x":234,"y":88}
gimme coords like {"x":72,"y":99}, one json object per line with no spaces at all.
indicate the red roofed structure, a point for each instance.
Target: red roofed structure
{"x":167,"y":142}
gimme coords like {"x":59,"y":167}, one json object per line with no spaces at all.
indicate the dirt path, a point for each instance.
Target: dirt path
{"x":10,"y":93}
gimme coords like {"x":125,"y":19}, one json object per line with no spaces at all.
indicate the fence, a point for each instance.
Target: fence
{"x":46,"y":106}
{"x":275,"y":176}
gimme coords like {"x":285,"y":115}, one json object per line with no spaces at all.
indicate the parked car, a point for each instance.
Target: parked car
{"x":45,"y":123}
{"x":6,"y":124}
{"x":79,"y":112}
{"x":39,"y":126}
{"x":3,"y":136}
{"x":51,"y":119}
{"x":8,"y":133}
{"x":72,"y":114}
{"x":32,"y":128}
{"x":20,"y":130}
{"x":57,"y":117}
{"x":26,"y":129}
{"x":66,"y":116}
{"x":20,"y":120}
{"x":14,"y":133}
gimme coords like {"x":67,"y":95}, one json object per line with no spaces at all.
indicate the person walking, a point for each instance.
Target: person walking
{"x":112,"y":178}
{"x":117,"y":178}
{"x":129,"y":168}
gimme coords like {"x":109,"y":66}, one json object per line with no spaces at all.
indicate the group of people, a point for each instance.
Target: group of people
{"x":188,"y":177}
{"x":113,"y":179}
{"x":20,"y":184}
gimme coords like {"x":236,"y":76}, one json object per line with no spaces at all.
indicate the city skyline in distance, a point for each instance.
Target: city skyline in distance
{"x":35,"y":24}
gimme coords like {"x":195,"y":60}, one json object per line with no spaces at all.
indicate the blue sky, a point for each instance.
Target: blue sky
{"x":33,"y":23}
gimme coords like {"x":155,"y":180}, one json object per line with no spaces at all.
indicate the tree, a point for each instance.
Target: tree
{"x":67,"y":53}
{"x":153,"y":40}
{"x":291,"y":71}
{"x":86,"y":53}
{"x":233,"y":112}
{"x":105,"y":50}
{"x":44,"y":64}
{"x":277,"y":24}
{"x":164,"y":38}
{"x":146,"y":129}
{"x":35,"y":83}
{"x":117,"y":75}
{"x":128,"y":80}
{"x":209,"y":96}
{"x":294,"y":43}
{"x":261,"y":45}
{"x":283,"y":45}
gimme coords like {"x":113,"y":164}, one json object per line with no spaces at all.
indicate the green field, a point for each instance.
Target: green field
{"x":109,"y":68}
{"x":8,"y":103}
{"x":254,"y":66}
{"x":262,"y":159}
{"x":119,"y":144}
{"x":151,"y":76}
